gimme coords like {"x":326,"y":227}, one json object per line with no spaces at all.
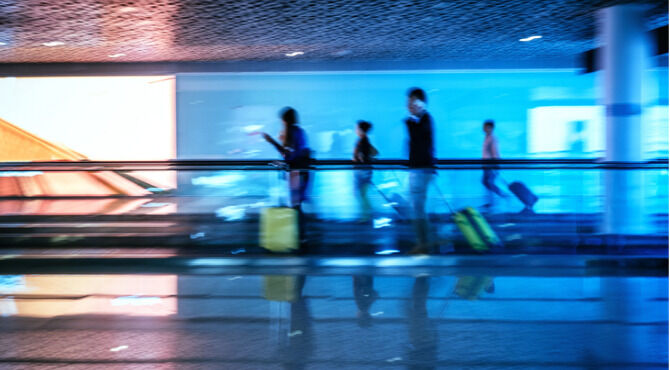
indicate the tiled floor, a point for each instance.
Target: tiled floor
{"x":327,"y":320}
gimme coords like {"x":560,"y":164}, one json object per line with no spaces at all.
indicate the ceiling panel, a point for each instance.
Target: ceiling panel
{"x":340,"y":30}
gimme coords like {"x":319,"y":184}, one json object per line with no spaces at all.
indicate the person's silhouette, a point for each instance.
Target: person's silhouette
{"x":423,"y":335}
{"x":364,"y":295}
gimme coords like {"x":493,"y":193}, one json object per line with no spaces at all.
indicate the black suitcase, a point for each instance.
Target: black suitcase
{"x":523,"y":194}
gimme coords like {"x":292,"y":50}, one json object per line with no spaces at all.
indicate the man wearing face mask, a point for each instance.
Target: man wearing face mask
{"x":421,"y":162}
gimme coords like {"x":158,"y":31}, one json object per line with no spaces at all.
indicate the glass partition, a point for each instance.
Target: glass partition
{"x":222,"y":205}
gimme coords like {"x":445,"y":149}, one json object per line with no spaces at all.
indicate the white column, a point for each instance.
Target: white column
{"x":624,"y":59}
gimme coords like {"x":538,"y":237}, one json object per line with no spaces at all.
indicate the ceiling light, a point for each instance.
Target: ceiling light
{"x":53,"y":43}
{"x":119,"y":348}
{"x":531,"y":38}
{"x":116,"y":55}
{"x":2,"y":43}
{"x":127,"y":9}
{"x":294,"y":53}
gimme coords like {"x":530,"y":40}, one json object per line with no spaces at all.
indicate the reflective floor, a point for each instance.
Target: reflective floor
{"x":351,"y":316}
{"x":177,"y":278}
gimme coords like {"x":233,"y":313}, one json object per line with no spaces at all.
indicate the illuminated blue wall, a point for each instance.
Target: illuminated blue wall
{"x":539,"y":113}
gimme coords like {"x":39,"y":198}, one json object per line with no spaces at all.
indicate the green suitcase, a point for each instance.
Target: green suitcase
{"x":477,"y":232}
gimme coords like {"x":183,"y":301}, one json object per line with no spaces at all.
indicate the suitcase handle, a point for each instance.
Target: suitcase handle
{"x":444,"y":199}
{"x":402,"y":217}
{"x":281,"y":168}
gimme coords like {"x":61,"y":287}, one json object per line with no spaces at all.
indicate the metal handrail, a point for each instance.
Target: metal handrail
{"x":324,"y":164}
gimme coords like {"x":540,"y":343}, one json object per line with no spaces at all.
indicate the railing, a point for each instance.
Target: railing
{"x":219,"y":202}
{"x":267,"y":164}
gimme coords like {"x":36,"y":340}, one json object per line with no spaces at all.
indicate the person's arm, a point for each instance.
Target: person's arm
{"x":373,"y":151}
{"x":282,"y":150}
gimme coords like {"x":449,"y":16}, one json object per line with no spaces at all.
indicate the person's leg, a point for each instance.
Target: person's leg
{"x":294,"y":188}
{"x":366,"y":207}
{"x":298,"y":182}
{"x":487,"y":192}
{"x":305,"y":177}
{"x":362,"y":180}
{"x":418,"y":182}
{"x":493,"y":186}
{"x":487,"y":181}
{"x":365,"y":185}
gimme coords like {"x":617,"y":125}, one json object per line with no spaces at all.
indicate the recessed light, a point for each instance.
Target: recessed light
{"x":294,"y":53}
{"x":53,"y":43}
{"x":2,"y":43}
{"x":127,"y":9}
{"x":116,"y":55}
{"x":531,"y":38}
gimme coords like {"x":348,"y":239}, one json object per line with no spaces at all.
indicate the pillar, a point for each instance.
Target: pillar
{"x":624,"y":59}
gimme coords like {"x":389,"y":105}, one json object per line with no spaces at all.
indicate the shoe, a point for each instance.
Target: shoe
{"x":419,"y":250}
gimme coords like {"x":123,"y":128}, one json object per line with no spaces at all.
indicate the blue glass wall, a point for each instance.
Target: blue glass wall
{"x":539,"y":113}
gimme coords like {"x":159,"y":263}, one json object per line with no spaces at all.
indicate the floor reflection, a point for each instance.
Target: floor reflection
{"x":362,"y":321}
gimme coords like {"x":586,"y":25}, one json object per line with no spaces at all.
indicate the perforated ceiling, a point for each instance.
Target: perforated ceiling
{"x":184,"y":30}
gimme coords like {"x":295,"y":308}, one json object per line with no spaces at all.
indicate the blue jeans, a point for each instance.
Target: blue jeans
{"x":298,"y":181}
{"x":489,"y":181}
{"x":419,"y":180}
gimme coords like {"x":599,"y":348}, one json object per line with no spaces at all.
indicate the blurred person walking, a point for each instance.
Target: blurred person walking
{"x":294,"y":149}
{"x":364,"y":153}
{"x":490,"y":153}
{"x":421,"y":162}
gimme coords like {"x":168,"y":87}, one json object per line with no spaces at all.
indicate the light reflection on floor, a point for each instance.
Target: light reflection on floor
{"x":333,"y":321}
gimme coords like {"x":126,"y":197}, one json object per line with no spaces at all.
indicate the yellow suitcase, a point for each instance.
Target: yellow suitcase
{"x":279,"y":229}
{"x":280,"y":288}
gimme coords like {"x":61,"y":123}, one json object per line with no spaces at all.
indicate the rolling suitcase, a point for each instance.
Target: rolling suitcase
{"x":474,"y":227}
{"x":278,"y":226}
{"x":477,"y":232}
{"x":279,"y":229}
{"x":524,"y":194}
